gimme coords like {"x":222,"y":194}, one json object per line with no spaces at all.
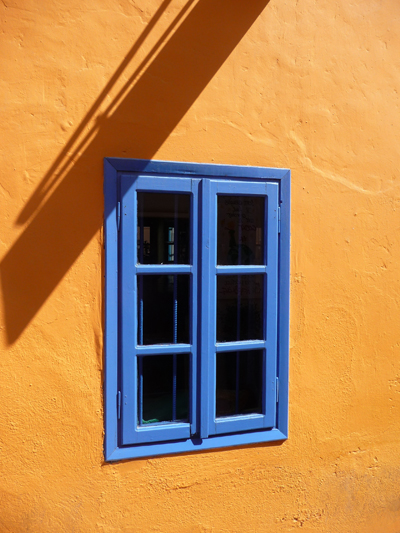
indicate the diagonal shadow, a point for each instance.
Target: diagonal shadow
{"x":66,"y":210}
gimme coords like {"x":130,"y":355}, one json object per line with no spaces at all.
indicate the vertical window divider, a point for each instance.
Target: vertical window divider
{"x":194,"y":256}
{"x":208,"y":304}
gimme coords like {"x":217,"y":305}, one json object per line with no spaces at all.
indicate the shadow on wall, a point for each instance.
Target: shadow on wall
{"x":66,"y":210}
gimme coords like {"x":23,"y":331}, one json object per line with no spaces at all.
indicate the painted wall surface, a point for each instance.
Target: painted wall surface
{"x":308,"y":85}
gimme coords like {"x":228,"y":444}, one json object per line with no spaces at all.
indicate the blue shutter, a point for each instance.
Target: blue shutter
{"x":131,"y":431}
{"x":211,"y":425}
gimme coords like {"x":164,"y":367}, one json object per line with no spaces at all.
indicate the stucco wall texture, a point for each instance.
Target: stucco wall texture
{"x":308,"y":85}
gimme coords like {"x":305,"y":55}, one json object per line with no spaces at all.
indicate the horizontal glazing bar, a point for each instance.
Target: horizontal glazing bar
{"x":231,"y":424}
{"x":237,"y":418}
{"x":156,"y":428}
{"x":163,"y":183}
{"x":242,"y":269}
{"x":160,"y":349}
{"x":163,"y":269}
{"x":239,"y":346}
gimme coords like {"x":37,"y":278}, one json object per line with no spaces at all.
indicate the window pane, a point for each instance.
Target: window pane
{"x":240,"y":230}
{"x":163,"y":388}
{"x":239,"y":383}
{"x":163,"y":309}
{"x":240,"y":307}
{"x":163,"y":228}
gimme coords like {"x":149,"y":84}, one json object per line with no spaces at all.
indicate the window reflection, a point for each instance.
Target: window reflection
{"x":163,"y":309}
{"x":239,"y":383}
{"x":163,"y":234}
{"x":163,"y":388}
{"x":240,"y":230}
{"x":240,"y":307}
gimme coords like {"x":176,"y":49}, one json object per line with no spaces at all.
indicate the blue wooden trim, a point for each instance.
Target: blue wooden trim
{"x":162,"y":432}
{"x":221,"y":347}
{"x":271,"y":302}
{"x":210,"y":301}
{"x":129,"y":314}
{"x":163,"y":168}
{"x":284,"y":305}
{"x":240,"y":188}
{"x":163,"y":349}
{"x":164,"y":183}
{"x":207,"y":305}
{"x":242,"y":269}
{"x":270,"y":192}
{"x":131,"y":431}
{"x":111,"y":310}
{"x":232,"y":423}
{"x":193,"y":311}
{"x":163,"y":269}
{"x":164,"y":174}
{"x":197,"y":445}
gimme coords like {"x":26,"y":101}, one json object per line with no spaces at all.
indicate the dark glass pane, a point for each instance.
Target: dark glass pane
{"x":239,"y":383}
{"x":163,"y":233}
{"x":163,"y":309}
{"x":240,"y":307}
{"x":240,"y":238}
{"x":163,"y":388}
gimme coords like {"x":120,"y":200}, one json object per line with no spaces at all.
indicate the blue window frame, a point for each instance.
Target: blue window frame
{"x":196,"y":306}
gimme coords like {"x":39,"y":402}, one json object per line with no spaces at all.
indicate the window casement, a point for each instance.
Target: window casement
{"x":196,"y":306}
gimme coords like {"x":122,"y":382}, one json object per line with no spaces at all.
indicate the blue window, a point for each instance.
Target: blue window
{"x":196,"y":306}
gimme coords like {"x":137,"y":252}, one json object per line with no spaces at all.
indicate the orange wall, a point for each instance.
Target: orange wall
{"x":312,"y":86}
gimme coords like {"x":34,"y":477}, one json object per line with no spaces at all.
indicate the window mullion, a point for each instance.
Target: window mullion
{"x":208,"y":306}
